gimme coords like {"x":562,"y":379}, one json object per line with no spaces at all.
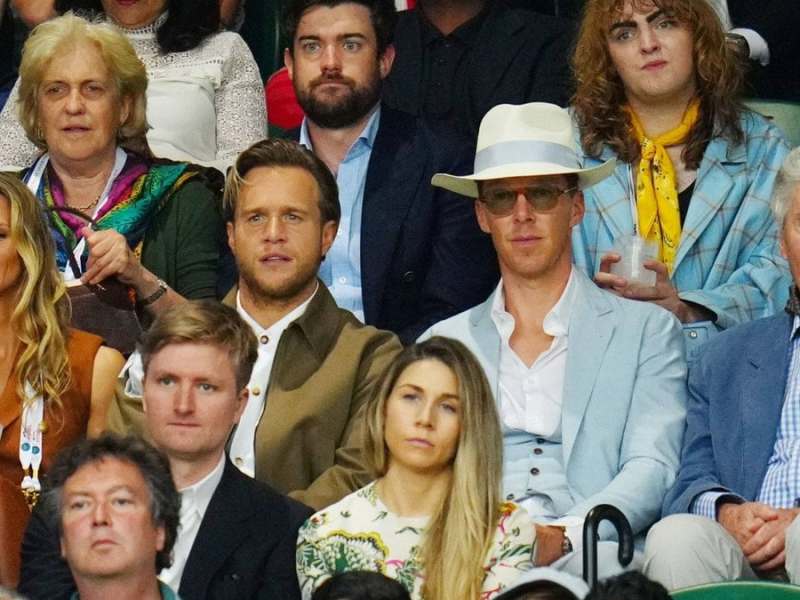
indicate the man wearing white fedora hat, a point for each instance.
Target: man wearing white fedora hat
{"x":590,"y":387}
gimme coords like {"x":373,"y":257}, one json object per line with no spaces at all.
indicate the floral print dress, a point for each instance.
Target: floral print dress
{"x":360,"y":533}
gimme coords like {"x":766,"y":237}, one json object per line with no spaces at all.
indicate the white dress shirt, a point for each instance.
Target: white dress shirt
{"x":531,"y":397}
{"x":194,"y":503}
{"x":242,"y":449}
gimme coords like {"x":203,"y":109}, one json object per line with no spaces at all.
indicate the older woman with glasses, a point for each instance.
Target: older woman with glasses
{"x":659,"y":89}
{"x":205,"y":98}
{"x":156,"y":227}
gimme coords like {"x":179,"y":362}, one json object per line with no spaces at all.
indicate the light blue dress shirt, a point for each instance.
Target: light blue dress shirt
{"x":341,"y":269}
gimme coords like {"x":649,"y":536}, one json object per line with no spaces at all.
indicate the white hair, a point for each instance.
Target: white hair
{"x":786,"y":183}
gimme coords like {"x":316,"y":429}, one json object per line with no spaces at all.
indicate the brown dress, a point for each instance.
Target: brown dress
{"x":64,"y":426}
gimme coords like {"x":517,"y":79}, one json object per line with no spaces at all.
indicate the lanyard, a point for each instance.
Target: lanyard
{"x":31,"y":445}
{"x":34,"y":179}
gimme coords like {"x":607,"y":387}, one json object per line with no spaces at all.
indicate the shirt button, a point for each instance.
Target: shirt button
{"x":342,"y":279}
{"x":535,"y":450}
{"x":239,"y":461}
{"x":534,"y":471}
{"x":693,"y":334}
{"x":256,"y":391}
{"x":263,"y":339}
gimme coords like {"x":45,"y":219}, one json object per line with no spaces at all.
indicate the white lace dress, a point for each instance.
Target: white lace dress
{"x":204,"y":106}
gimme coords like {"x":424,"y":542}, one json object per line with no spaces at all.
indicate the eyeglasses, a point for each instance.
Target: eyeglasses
{"x":541,"y":198}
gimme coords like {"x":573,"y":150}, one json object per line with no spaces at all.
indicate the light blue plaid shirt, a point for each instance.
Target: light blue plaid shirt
{"x":781,"y":485}
{"x":341,"y":269}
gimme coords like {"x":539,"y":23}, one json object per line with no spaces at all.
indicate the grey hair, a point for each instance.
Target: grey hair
{"x":786,"y":182}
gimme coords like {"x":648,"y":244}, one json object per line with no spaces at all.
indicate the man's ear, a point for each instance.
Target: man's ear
{"x":480,"y":213}
{"x":386,"y":60}
{"x":288,"y":62}
{"x":231,"y":231}
{"x":161,"y":538}
{"x":578,"y":209}
{"x":242,"y":397}
{"x":329,"y":229}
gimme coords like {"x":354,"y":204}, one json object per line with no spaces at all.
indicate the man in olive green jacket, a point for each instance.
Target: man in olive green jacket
{"x":317,"y":364}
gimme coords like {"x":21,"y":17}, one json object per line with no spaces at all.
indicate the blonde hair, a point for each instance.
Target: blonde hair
{"x":70,"y":31}
{"x":459,"y":535}
{"x":41,"y":315}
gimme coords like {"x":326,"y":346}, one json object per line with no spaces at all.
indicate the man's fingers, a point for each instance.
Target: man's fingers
{"x":755,"y":524}
{"x":609,"y":281}
{"x":769,"y":551}
{"x":762,"y":511}
{"x":608,"y":260}
{"x":775,"y":562}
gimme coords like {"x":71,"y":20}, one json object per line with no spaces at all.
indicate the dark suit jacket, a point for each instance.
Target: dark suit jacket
{"x":423,"y":256}
{"x":519,"y":56}
{"x":777,"y":21}
{"x":245,"y":547}
{"x":736,"y":391}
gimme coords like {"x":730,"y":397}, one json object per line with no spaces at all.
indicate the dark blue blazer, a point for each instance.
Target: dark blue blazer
{"x":244,"y":549}
{"x":423,"y":256}
{"x":736,"y":390}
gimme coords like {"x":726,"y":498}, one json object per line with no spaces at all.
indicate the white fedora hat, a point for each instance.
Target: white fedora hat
{"x":524,"y":140}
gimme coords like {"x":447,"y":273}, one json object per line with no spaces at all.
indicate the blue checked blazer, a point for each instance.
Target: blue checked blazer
{"x":729,"y":258}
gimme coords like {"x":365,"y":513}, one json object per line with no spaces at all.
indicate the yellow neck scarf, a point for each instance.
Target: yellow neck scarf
{"x":656,"y":187}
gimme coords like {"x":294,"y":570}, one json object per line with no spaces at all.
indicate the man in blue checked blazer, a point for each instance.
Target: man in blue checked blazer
{"x":734,"y":503}
{"x":590,"y":387}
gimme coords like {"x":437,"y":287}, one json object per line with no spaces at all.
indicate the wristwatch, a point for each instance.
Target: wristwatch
{"x":566,"y":543}
{"x":162,"y":289}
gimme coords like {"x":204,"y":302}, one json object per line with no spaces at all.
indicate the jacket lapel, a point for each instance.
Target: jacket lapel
{"x":714,"y":181}
{"x":761,"y":398}
{"x":612,"y":199}
{"x":222,"y":530}
{"x":591,"y":326}
{"x":487,"y":344}
{"x":394,"y":177}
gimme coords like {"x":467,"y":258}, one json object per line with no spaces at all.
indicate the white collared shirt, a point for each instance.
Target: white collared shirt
{"x":242,"y":449}
{"x":531,"y":397}
{"x":194,"y":503}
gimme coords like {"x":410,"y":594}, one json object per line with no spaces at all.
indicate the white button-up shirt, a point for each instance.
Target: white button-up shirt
{"x":242,"y":449}
{"x":194,"y":503}
{"x":531,"y":397}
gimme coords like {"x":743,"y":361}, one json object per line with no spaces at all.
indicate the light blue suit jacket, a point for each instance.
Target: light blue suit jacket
{"x":728,"y":259}
{"x":624,"y":403}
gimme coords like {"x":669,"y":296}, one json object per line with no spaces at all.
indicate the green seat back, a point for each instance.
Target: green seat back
{"x":740,"y":590}
{"x":785,"y":115}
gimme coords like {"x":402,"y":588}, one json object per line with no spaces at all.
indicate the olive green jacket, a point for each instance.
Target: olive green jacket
{"x":308,"y":442}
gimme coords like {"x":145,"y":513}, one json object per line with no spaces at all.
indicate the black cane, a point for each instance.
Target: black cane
{"x":605,"y":512}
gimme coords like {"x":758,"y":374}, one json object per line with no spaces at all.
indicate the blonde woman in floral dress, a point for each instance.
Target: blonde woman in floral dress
{"x":433,"y":519}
